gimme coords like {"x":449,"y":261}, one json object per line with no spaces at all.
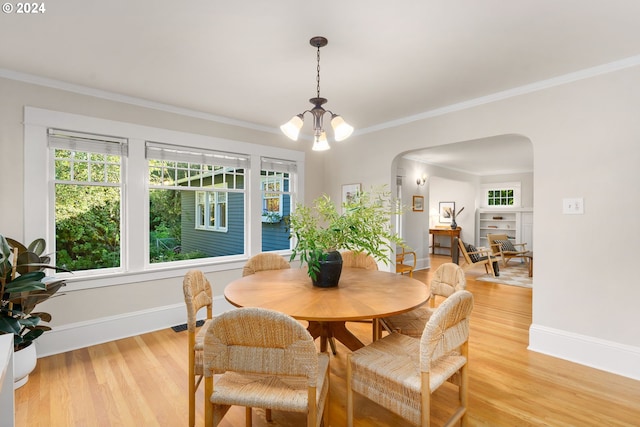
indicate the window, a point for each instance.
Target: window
{"x":87,"y":199}
{"x":276,"y":185}
{"x":117,"y":208}
{"x":211,"y":210}
{"x":193,"y":192}
{"x":272,"y":184}
{"x":501,"y":195}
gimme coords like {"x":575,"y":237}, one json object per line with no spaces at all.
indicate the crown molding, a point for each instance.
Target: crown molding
{"x":131,"y":100}
{"x":610,"y":67}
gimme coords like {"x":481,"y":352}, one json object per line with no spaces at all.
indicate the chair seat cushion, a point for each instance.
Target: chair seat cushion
{"x":269,"y":391}
{"x":388,"y":371}
{"x":410,"y":323}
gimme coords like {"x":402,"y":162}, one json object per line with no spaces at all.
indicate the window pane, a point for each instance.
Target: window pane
{"x":98,"y":172}
{"x":165,"y":223}
{"x":199,"y":219}
{"x":87,"y":217}
{"x":87,"y":226}
{"x":63,"y":170}
{"x":276,"y":206}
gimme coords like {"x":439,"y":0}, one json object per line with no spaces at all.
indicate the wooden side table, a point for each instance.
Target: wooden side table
{"x":452,"y":233}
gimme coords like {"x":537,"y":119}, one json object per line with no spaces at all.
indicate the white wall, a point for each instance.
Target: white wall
{"x":586,"y":143}
{"x":415,"y":224}
{"x":463,"y":194}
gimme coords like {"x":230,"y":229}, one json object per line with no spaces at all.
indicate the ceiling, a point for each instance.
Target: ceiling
{"x":250,"y":62}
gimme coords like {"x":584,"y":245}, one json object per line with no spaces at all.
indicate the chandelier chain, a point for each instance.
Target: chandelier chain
{"x":318,"y":73}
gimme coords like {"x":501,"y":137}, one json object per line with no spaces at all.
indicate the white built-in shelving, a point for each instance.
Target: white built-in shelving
{"x":516,"y":223}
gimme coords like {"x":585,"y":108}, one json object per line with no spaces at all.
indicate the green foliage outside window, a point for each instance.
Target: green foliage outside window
{"x":500,"y":198}
{"x":87,"y":227}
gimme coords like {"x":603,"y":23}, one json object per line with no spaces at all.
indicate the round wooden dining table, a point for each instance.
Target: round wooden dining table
{"x":361,"y":294}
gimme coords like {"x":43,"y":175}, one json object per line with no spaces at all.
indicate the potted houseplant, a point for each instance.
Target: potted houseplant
{"x":321,"y":230}
{"x":23,"y":285}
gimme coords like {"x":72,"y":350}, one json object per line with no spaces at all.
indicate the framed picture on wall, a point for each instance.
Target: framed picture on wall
{"x":349,"y":191}
{"x":446,"y":208}
{"x":418,"y":203}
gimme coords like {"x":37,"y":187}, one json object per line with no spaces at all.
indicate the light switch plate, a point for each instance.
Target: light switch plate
{"x":573,"y":206}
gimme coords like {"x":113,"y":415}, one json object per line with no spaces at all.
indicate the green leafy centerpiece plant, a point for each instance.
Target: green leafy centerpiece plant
{"x":361,"y":224}
{"x":24,"y":285}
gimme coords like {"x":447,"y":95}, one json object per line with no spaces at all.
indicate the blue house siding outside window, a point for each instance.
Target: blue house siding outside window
{"x":275,"y":236}
{"x":210,"y":242}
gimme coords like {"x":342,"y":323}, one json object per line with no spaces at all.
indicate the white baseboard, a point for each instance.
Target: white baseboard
{"x":601,"y":354}
{"x":84,"y":334}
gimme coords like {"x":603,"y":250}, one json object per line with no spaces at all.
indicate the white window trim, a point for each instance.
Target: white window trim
{"x":207,"y":212}
{"x":515,"y":186}
{"x":39,"y":212}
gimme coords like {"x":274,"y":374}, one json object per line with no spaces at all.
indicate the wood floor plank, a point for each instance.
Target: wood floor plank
{"x":141,"y":381}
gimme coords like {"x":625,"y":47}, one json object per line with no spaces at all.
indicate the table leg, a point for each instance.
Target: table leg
{"x":337,"y":330}
{"x":342,"y":334}
{"x":316,"y":330}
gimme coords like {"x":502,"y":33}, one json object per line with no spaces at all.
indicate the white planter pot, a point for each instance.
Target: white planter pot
{"x":24,"y":362}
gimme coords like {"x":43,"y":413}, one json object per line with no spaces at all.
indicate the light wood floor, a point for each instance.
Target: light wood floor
{"x":141,"y":381}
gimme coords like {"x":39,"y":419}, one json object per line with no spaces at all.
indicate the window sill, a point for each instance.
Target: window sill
{"x":75,"y":283}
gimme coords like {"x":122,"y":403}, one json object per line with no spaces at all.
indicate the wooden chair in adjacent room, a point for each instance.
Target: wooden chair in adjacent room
{"x":197,"y":295}
{"x":478,"y":256}
{"x":447,"y":279}
{"x":406,"y":262}
{"x":264,"y":359}
{"x":264,"y":261}
{"x":503,"y":247}
{"x":400,"y":372}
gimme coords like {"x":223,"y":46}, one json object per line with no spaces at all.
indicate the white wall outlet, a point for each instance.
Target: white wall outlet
{"x":573,"y":206}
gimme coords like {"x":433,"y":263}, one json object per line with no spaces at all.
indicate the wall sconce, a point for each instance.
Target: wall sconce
{"x":421,"y":180}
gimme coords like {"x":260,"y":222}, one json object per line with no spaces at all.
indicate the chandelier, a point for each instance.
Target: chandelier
{"x":341,"y":130}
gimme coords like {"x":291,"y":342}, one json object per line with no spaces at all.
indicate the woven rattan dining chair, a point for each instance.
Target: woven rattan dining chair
{"x":355,"y":259}
{"x":447,"y":279}
{"x":263,"y":359}
{"x":400,"y":372}
{"x":197,"y":295}
{"x":264,"y":261}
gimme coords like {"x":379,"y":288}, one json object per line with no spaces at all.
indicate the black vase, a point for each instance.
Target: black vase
{"x":330,"y":270}
{"x":454,"y":224}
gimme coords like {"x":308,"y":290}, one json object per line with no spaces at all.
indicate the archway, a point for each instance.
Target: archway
{"x":464,"y":168}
